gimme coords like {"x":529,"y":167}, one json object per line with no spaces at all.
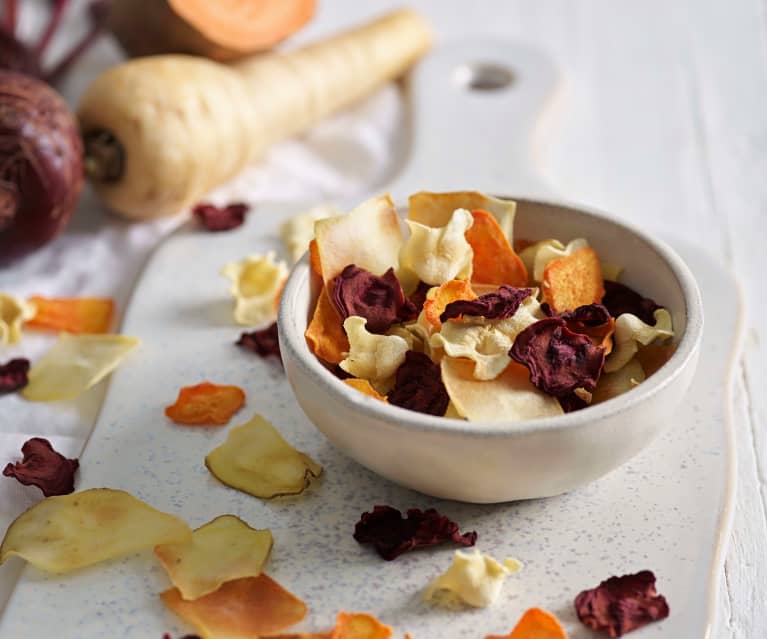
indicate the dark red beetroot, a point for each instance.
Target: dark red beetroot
{"x":41,"y":164}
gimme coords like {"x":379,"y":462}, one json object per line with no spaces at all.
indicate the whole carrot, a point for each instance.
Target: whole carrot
{"x":160,"y":132}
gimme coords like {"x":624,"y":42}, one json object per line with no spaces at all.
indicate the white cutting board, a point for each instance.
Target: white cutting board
{"x":667,"y":510}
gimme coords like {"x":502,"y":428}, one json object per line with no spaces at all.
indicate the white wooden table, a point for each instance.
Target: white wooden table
{"x":662,"y":120}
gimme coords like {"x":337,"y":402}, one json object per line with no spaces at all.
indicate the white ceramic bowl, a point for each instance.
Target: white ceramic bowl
{"x":501,"y":461}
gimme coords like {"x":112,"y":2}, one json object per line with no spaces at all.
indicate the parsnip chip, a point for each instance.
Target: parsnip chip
{"x":438,"y":297}
{"x":474,"y":578}
{"x":14,"y":312}
{"x":435,"y":209}
{"x":325,"y":333}
{"x":298,"y":231}
{"x":495,"y":261}
{"x":536,"y":623}
{"x":74,"y":364}
{"x":618,"y":382}
{"x":369,"y":236}
{"x":375,"y":358}
{"x":72,"y":315}
{"x":486,"y":342}
{"x":206,"y":403}
{"x":257,"y":460}
{"x":630,"y":333}
{"x":257,"y":281}
{"x":60,"y":534}
{"x":536,"y":256}
{"x":437,"y":255}
{"x":364,"y":386}
{"x":222,"y":550}
{"x":245,"y":608}
{"x":509,"y":397}
{"x":573,"y":281}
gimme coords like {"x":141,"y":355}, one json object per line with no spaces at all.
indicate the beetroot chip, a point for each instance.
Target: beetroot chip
{"x":392,"y":535}
{"x":588,"y":315}
{"x":622,"y":604}
{"x":419,"y":386}
{"x":264,"y":342}
{"x":571,"y":402}
{"x":13,"y":375}
{"x":418,"y":297}
{"x":43,"y":467}
{"x":224,"y":218}
{"x":377,"y":298}
{"x":620,"y":299}
{"x":500,"y":304}
{"x":559,"y":360}
{"x":167,"y":635}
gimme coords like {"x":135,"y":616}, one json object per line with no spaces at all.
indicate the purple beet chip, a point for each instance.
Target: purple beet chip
{"x":377,"y":298}
{"x":13,"y":375}
{"x":392,"y":535}
{"x":500,"y":304}
{"x":263,"y":342}
{"x":43,"y":467}
{"x":588,"y":315}
{"x":223,"y":218}
{"x":418,"y":296}
{"x":559,"y":360}
{"x":419,"y":386}
{"x":621,"y":604}
{"x":619,"y":299}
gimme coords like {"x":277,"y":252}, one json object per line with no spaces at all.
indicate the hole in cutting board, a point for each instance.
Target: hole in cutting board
{"x":483,"y":76}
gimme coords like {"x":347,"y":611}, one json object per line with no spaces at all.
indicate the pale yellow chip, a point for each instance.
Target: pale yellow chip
{"x":631,"y":332}
{"x":537,"y":256}
{"x":435,"y":209}
{"x":616,"y":383}
{"x":224,"y":549}
{"x":74,"y":364}
{"x":256,"y":284}
{"x":509,"y":397}
{"x":486,"y":342}
{"x":474,"y":578}
{"x":60,"y":534}
{"x":257,"y":460}
{"x":14,"y":312}
{"x":439,"y":254}
{"x":373,"y":357}
{"x":369,"y":236}
{"x":298,"y":231}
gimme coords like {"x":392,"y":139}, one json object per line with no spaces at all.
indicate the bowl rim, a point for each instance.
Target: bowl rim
{"x":293,"y":344}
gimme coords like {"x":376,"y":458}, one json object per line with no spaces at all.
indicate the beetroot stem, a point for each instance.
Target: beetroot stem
{"x":10,"y":16}
{"x":52,"y":26}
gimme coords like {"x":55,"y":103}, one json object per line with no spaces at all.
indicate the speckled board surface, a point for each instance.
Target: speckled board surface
{"x":666,"y":510}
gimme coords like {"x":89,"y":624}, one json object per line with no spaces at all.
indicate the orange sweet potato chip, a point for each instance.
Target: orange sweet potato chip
{"x":653,"y":356}
{"x":536,"y":623}
{"x":495,"y":262}
{"x":314,"y":259}
{"x":573,"y":281}
{"x":325,"y":334}
{"x":206,"y":404}
{"x":72,"y":315}
{"x":349,"y":625}
{"x":364,"y":386}
{"x":239,"y":609}
{"x":450,"y":291}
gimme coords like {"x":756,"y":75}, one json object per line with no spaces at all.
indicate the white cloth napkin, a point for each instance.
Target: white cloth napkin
{"x":101,"y":255}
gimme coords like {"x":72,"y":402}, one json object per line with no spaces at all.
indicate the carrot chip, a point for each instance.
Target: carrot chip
{"x":206,"y":404}
{"x":536,"y":623}
{"x":365,"y":387}
{"x":439,"y":298}
{"x":495,"y":261}
{"x":574,"y":280}
{"x":72,"y":315}
{"x":325,"y":334}
{"x":240,"y":609}
{"x":222,"y":550}
{"x":257,"y":460}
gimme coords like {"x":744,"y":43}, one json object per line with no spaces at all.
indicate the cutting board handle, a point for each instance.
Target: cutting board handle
{"x":475,"y":106}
